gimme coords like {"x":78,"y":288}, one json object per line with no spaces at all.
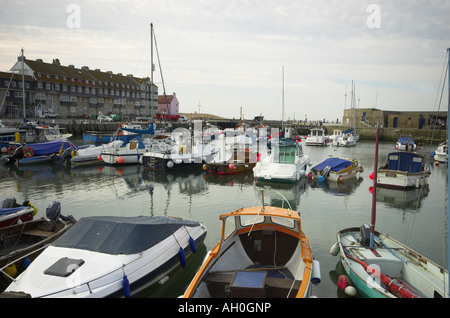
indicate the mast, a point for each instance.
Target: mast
{"x":374,"y":190}
{"x":23,"y":86}
{"x":282,"y":99}
{"x":448,"y":170}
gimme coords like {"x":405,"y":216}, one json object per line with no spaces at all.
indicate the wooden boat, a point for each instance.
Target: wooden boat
{"x":403,"y":169}
{"x":106,"y":256}
{"x":11,"y":212}
{"x":286,"y":163}
{"x":262,"y":253}
{"x":380,"y":266}
{"x":337,"y":169}
{"x":22,"y":243}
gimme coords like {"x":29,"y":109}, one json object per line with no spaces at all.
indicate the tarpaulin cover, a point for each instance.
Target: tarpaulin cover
{"x":50,"y":147}
{"x":404,"y":140}
{"x":405,"y":161}
{"x":120,"y":235}
{"x":336,"y":164}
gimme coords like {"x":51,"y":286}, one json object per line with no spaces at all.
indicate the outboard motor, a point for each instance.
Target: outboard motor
{"x":18,"y":153}
{"x":53,"y":212}
{"x":65,"y":156}
{"x":6,"y":160}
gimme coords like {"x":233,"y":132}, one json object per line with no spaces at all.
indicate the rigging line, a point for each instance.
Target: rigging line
{"x":162,"y":79}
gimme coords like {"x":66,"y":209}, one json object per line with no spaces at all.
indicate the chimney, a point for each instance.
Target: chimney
{"x":56,"y":62}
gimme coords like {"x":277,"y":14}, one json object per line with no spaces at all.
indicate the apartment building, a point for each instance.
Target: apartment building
{"x":75,"y":92}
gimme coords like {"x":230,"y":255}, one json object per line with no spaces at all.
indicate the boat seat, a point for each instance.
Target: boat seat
{"x":219,"y":286}
{"x":34,"y":232}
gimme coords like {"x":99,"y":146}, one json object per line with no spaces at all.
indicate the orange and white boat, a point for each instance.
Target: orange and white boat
{"x":262,"y":253}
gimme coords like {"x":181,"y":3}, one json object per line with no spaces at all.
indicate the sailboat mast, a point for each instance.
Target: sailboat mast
{"x":23,"y":86}
{"x":374,"y":190}
{"x":282,"y":98}
{"x":448,"y":170}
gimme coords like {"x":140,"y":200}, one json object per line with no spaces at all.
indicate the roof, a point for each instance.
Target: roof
{"x":268,"y":210}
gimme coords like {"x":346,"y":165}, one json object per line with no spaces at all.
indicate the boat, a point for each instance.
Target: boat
{"x":379,"y":266}
{"x":286,"y":162}
{"x":97,"y":137}
{"x":37,"y":133}
{"x":21,"y":243}
{"x":405,"y":144}
{"x":337,"y":169}
{"x":440,"y":155}
{"x":242,"y":160}
{"x":90,"y":155}
{"x":263,"y":252}
{"x":8,"y":134}
{"x":56,"y":151}
{"x":105,"y":256}
{"x":347,"y":139}
{"x":403,"y":169}
{"x":334,"y":138}
{"x":317,"y":137}
{"x":11,"y":212}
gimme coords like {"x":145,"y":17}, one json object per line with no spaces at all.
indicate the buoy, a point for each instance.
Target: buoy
{"x":436,"y":163}
{"x":342,"y":282}
{"x":182,"y":257}
{"x":11,"y":270}
{"x":231,"y":166}
{"x":310,"y":175}
{"x":26,"y":263}
{"x":126,"y":286}
{"x":321,"y":178}
{"x":120,"y":159}
{"x":334,"y":250}
{"x":192,"y":244}
{"x":350,"y":291}
{"x":205,"y":167}
{"x":99,"y":157}
{"x":371,"y":176}
{"x":316,"y":272}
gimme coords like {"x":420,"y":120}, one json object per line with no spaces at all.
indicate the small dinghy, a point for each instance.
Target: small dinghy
{"x":106,"y":256}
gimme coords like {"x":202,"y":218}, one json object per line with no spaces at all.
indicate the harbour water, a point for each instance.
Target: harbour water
{"x":415,"y":217}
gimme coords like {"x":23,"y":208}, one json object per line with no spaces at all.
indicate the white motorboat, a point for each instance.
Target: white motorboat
{"x":286,"y":162}
{"x":90,"y":155}
{"x":106,"y":256}
{"x":317,"y":137}
{"x":441,"y":153}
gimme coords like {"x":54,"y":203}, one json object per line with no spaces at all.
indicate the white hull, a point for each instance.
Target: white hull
{"x":102,"y":275}
{"x":267,"y":171}
{"x":389,"y":257}
{"x":402,"y":179}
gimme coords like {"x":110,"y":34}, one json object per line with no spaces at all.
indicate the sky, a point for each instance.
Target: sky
{"x":227,"y":57}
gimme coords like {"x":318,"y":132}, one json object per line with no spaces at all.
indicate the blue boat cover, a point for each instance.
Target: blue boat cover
{"x":50,"y":147}
{"x":336,"y":164}
{"x":120,"y":235}
{"x":7,"y":211}
{"x":405,"y":161}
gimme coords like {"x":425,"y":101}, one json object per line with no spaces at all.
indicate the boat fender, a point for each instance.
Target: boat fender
{"x":342,"y":282}
{"x":120,"y":159}
{"x":169,"y":164}
{"x":334,"y":250}
{"x":34,"y":207}
{"x":182,"y":257}
{"x":350,"y":291}
{"x":205,"y":167}
{"x":316,"y":272}
{"x":192,"y":244}
{"x":11,"y":270}
{"x":126,"y":286}
{"x":320,"y":179}
{"x":26,"y":262}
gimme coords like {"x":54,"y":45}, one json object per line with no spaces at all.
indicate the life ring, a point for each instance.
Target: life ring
{"x":11,"y":150}
{"x":28,"y":152}
{"x":182,"y":150}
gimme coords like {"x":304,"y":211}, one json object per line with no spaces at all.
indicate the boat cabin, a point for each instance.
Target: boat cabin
{"x":285,"y":152}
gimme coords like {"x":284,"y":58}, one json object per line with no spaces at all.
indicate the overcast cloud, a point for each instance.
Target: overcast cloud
{"x":229,"y":54}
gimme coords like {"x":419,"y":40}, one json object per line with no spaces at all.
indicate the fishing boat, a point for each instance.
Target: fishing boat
{"x":403,"y":169}
{"x":11,"y":212}
{"x":21,"y":243}
{"x":97,"y":137}
{"x":337,"y":169}
{"x":105,"y":256}
{"x":8,"y":134}
{"x":242,"y":160}
{"x":35,"y":132}
{"x":381,"y":267}
{"x":317,"y":137}
{"x":262,"y":253}
{"x":440,"y":155}
{"x":405,"y":144}
{"x":286,"y":162}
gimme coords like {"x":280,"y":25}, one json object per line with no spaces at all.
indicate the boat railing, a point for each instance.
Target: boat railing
{"x":2,"y":269}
